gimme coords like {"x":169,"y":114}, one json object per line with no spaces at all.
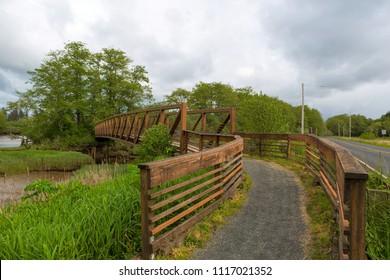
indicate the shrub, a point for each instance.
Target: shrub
{"x":367,"y":135}
{"x":156,"y":143}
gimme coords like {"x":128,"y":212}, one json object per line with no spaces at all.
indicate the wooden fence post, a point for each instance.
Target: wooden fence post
{"x":183,"y":121}
{"x":146,"y":228}
{"x":233,"y":120}
{"x":355,"y":190}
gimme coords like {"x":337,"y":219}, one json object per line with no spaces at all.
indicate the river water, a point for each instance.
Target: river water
{"x":7,"y":142}
{"x":12,"y":186}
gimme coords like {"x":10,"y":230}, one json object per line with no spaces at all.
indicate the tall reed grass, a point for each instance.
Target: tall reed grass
{"x":77,"y":222}
{"x":378,"y":218}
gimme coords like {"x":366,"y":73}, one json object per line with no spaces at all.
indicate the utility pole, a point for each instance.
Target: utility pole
{"x":350,"y":124}
{"x":303,"y":111}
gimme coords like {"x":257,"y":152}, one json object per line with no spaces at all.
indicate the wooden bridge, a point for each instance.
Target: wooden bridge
{"x":178,"y":192}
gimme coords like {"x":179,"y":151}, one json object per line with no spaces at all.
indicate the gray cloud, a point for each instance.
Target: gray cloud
{"x":271,"y":46}
{"x":340,"y":43}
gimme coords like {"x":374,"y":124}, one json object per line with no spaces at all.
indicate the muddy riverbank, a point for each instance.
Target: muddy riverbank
{"x":11,"y":187}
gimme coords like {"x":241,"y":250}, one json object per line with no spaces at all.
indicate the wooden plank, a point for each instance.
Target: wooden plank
{"x":357,"y":220}
{"x":329,"y":186}
{"x":145,"y":216}
{"x":183,"y":184}
{"x":164,"y":225}
{"x":184,"y":203}
{"x":173,"y":168}
{"x":184,"y":193}
{"x":166,"y":237}
{"x":233,"y":120}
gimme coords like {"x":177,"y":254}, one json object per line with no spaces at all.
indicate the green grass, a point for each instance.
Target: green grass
{"x":77,"y":222}
{"x":378,"y":220}
{"x":18,"y":162}
{"x":380,"y":142}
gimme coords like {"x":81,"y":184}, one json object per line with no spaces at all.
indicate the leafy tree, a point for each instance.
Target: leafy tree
{"x":179,"y":95}
{"x":212,"y":95}
{"x":123,"y":88}
{"x":3,"y":120}
{"x":73,"y":88}
{"x":338,"y":125}
{"x":315,"y":123}
{"x":260,"y":113}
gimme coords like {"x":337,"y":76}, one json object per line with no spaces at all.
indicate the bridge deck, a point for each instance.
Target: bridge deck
{"x":270,"y":225}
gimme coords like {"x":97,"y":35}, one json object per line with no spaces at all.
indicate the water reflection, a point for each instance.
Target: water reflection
{"x":7,"y":142}
{"x":11,"y":187}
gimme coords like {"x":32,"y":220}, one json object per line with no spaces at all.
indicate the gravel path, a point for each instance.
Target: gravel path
{"x":271,"y":223}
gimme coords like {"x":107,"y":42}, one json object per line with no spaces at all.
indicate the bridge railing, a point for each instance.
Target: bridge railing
{"x":130,"y":126}
{"x":178,"y":192}
{"x":339,"y":173}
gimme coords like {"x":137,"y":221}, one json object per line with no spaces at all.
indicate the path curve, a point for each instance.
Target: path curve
{"x":271,"y":223}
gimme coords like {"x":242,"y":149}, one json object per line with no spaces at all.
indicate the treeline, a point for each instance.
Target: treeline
{"x":73,"y":88}
{"x":359,"y":125}
{"x":256,"y":112}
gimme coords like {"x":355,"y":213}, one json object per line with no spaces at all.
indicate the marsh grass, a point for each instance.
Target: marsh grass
{"x":378,"y":218}
{"x":76,"y":222}
{"x":19,"y":162}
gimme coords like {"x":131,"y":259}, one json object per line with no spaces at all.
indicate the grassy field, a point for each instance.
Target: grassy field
{"x":23,"y":161}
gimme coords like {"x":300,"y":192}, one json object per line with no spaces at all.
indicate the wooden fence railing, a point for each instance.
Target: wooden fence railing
{"x":178,"y":192}
{"x":340,"y":175}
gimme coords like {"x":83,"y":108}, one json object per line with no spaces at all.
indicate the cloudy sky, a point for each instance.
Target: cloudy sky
{"x":340,"y":49}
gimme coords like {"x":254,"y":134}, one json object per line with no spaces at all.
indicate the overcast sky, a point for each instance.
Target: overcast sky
{"x":340,"y":49}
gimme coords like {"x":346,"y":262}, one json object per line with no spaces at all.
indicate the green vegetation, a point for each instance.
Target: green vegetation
{"x":76,"y":221}
{"x":156,"y":144}
{"x":18,"y":162}
{"x":378,"y":218}
{"x":73,"y":88}
{"x":360,"y":126}
{"x":367,"y":139}
{"x":256,"y":112}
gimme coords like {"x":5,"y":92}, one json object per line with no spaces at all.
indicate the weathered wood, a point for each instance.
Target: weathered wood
{"x":183,"y":184}
{"x":146,"y":228}
{"x":166,"y":237}
{"x":184,"y":203}
{"x":183,"y":194}
{"x":185,"y":213}
{"x":173,"y":168}
{"x":357,"y":221}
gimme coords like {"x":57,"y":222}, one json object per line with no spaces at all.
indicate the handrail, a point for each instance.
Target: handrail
{"x":178,"y":192}
{"x":340,"y":174}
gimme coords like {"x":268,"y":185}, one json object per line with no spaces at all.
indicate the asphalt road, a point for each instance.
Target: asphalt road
{"x":376,"y":157}
{"x":271,"y":224}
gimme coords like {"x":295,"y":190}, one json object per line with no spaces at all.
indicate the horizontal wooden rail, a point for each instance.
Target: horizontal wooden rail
{"x":178,"y":192}
{"x":340,"y":174}
{"x":129,"y":127}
